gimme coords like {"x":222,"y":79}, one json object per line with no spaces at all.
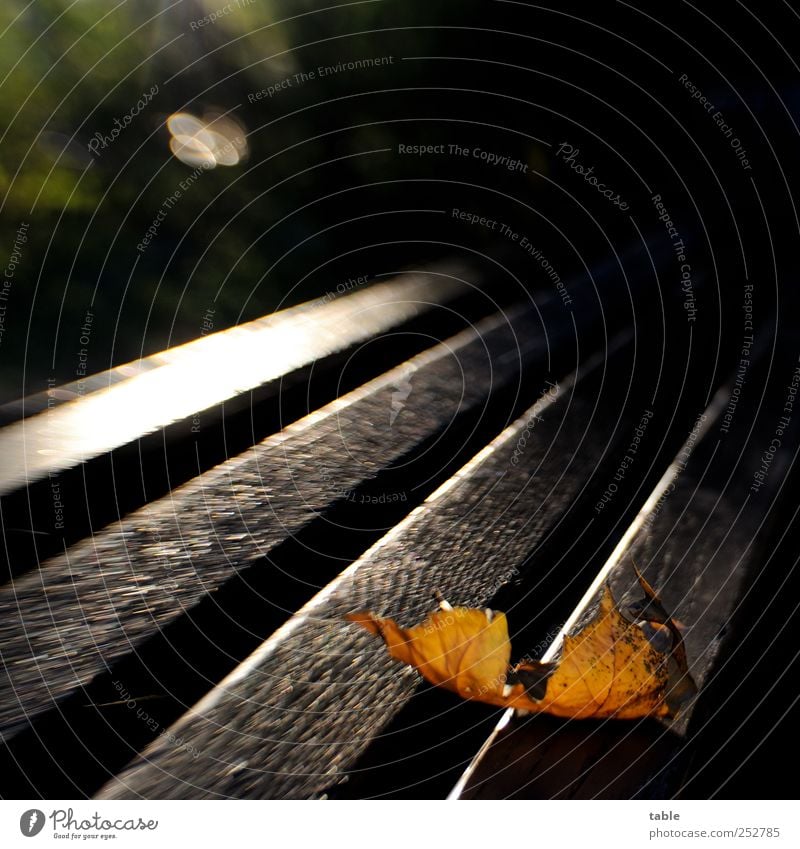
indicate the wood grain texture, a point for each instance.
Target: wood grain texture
{"x":64,"y":623}
{"x":301,"y":709}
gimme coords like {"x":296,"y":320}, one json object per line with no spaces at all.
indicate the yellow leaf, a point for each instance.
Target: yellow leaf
{"x":462,"y":649}
{"x":609,"y":668}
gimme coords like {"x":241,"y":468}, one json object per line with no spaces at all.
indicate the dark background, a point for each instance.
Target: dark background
{"x":315,"y":204}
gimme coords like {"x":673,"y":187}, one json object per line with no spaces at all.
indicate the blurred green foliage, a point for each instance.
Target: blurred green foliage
{"x":239,"y":238}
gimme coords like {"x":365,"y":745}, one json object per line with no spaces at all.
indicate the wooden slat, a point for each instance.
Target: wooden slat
{"x":292,"y":717}
{"x":178,"y":383}
{"x":695,"y":541}
{"x":64,"y":623}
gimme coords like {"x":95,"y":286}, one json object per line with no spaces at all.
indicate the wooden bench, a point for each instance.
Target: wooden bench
{"x":189,"y":640}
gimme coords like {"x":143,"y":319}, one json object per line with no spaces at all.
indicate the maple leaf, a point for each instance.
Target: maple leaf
{"x":607,"y":669}
{"x":461,"y":648}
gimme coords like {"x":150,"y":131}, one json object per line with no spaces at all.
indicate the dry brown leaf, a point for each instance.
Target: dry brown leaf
{"x":609,"y":668}
{"x":461,"y":649}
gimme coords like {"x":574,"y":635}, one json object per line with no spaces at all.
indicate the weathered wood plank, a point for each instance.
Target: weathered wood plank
{"x":696,"y":541}
{"x":64,"y":623}
{"x":182,"y":381}
{"x":302,"y":708}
